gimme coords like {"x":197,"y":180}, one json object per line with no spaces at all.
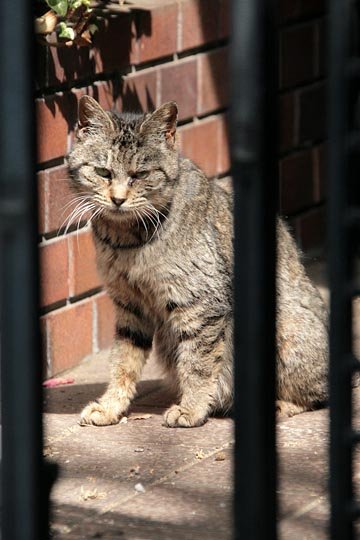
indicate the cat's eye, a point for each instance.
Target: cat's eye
{"x":103,"y":172}
{"x":140,"y":174}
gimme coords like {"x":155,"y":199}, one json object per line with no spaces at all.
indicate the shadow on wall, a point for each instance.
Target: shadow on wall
{"x":59,"y":69}
{"x":103,"y":70}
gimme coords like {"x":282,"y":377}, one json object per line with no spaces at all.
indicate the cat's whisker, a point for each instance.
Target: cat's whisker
{"x":70,"y":203}
{"x":80,"y":206}
{"x":92,"y":206}
{"x":164,"y":206}
{"x":158,"y":211}
{"x":157,"y":224}
{"x":79,"y":202}
{"x":80,"y":209}
{"x":152,"y":221}
{"x":94,"y":215}
{"x":150,"y":216}
{"x":143,"y":222}
{"x":137,"y":219}
{"x":89,"y":208}
{"x":81,"y":197}
{"x":69,"y":217}
{"x":156,"y":214}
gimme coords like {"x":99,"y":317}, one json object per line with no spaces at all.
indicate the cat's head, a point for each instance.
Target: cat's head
{"x":124,"y":164}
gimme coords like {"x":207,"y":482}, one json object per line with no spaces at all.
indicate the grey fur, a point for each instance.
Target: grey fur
{"x":165,"y":255}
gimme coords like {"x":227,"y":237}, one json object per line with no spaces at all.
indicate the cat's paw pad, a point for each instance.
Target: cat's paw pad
{"x":178,"y":416}
{"x":98,"y":414}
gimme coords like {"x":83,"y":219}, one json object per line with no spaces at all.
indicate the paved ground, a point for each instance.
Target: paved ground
{"x":142,"y":481}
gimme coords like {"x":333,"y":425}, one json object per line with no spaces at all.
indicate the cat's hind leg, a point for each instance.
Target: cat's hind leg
{"x":285,"y":409}
{"x":127,"y":358}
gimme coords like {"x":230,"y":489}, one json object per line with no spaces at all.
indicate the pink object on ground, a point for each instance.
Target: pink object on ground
{"x":50,"y":383}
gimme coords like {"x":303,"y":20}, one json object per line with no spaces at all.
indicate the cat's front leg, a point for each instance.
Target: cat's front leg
{"x":198,"y":375}
{"x":127,"y":358}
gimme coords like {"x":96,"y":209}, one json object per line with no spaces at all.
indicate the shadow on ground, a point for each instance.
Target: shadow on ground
{"x":71,"y":399}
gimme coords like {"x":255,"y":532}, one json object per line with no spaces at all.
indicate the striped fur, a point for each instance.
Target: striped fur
{"x":165,"y":255}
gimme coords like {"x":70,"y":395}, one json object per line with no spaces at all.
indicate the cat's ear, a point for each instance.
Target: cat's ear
{"x":163,"y":121}
{"x":92,"y":115}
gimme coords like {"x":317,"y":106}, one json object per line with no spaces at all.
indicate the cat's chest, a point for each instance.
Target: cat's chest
{"x":156,"y":274}
{"x":141,"y":270}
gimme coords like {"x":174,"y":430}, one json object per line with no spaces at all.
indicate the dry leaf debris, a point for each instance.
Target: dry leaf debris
{"x":87,"y":494}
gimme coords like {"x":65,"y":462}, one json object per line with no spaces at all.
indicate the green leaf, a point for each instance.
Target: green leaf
{"x":66,"y":31}
{"x":59,"y":6}
{"x":77,"y":3}
{"x":93,"y":28}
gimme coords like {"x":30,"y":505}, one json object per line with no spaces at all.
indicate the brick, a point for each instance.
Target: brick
{"x":69,"y":335}
{"x":105,"y":320}
{"x":178,"y":82}
{"x":297,"y":55}
{"x":312,"y":113}
{"x":296,"y":182}
{"x":105,"y":93}
{"x":114,"y":47}
{"x":213,"y":80}
{"x":115,"y":43}
{"x":83,"y":273}
{"x":58,"y":65}
{"x":57,"y":196}
{"x":297,"y":9}
{"x":224,"y":162}
{"x":199,"y":23}
{"x":199,"y":142}
{"x":322,"y":42}
{"x":53,"y":272}
{"x":52,"y":128}
{"x":156,"y":31}
{"x":41,"y":190}
{"x":320,"y":172}
{"x":312,"y":229}
{"x":224,"y":19}
{"x":56,"y":119}
{"x":135,"y":92}
{"x":139,"y":91}
{"x":287,"y":105}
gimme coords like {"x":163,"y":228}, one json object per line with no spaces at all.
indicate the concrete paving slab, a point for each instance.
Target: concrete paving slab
{"x":142,"y":481}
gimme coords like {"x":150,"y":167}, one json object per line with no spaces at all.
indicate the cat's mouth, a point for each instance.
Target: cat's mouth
{"x":119,"y":211}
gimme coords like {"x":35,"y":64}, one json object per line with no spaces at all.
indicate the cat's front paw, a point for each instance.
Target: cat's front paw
{"x":178,"y":416}
{"x":100,"y":414}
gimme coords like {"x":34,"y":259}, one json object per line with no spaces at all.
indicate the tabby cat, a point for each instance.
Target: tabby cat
{"x":163,"y":236}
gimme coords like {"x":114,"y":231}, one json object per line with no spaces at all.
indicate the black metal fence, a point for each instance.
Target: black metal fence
{"x":254,"y":78}
{"x":22,"y":506}
{"x":253,"y":135}
{"x":343,"y":238}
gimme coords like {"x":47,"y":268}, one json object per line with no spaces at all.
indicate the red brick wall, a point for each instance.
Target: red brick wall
{"x":170,"y":51}
{"x":302,"y":77}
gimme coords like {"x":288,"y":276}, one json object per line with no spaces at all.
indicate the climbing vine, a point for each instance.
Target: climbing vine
{"x":71,"y":20}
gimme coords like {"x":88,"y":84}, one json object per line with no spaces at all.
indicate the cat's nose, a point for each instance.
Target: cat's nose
{"x":117,"y":201}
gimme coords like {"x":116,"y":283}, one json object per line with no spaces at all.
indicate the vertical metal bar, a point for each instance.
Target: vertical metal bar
{"x":20,"y":358}
{"x":253,"y":147}
{"x":341,"y":490}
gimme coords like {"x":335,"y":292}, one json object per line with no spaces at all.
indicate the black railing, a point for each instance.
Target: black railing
{"x":344,"y":229}
{"x":253,"y":148}
{"x":253,"y":135}
{"x":21,"y":484}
